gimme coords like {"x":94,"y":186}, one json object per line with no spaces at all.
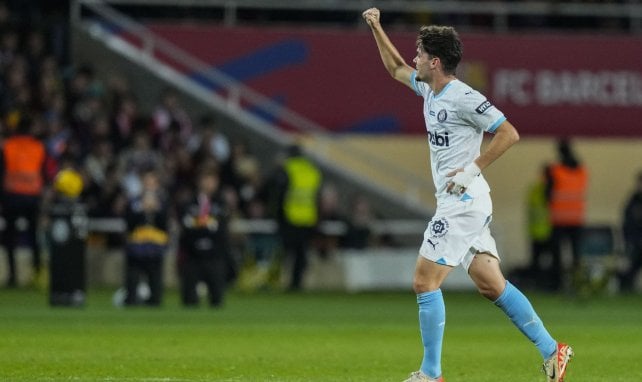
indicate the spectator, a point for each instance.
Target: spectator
{"x":99,"y":130}
{"x":359,"y":233}
{"x":209,"y":141}
{"x":36,"y":51}
{"x":204,"y":248}
{"x":566,"y":185}
{"x":332,"y":222}
{"x":83,"y":91}
{"x":147,"y":240}
{"x":8,"y":47}
{"x":242,"y":172}
{"x":107,"y":199}
{"x":181,"y":171}
{"x":140,"y":156}
{"x":16,"y":93}
{"x":65,"y":229}
{"x":50,"y":90}
{"x":117,"y":88}
{"x":261,"y":248}
{"x":632,"y":230}
{"x":97,"y":163}
{"x":170,"y":116}
{"x":57,"y":143}
{"x":123,"y":121}
{"x":22,"y":173}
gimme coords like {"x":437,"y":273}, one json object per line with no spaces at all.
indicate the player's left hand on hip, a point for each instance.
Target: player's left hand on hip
{"x":462,"y":178}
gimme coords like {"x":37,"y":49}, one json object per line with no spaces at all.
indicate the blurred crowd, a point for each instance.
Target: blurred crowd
{"x":95,"y":129}
{"x":98,"y":126}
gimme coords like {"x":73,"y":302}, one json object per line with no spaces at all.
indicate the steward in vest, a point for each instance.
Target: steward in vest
{"x":567,"y":201}
{"x":22,"y":174}
{"x":567,"y":182}
{"x":299,"y":183}
{"x":539,"y":223}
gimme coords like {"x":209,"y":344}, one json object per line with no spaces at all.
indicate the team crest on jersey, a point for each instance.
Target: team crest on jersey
{"x":442,"y":115}
{"x":439,"y":227}
{"x":481,"y":109}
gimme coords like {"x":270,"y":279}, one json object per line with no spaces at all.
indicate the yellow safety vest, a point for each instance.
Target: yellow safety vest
{"x":539,"y":221}
{"x":304,"y":180}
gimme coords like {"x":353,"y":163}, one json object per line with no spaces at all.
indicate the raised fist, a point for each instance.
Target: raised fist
{"x":371,"y":16}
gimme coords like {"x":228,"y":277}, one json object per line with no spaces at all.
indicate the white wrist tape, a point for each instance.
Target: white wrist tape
{"x":472,"y":169}
{"x":463,"y":179}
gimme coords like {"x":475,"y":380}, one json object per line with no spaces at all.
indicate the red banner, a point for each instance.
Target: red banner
{"x":545,"y":84}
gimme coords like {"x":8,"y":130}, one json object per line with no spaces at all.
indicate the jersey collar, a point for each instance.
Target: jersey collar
{"x":445,"y":89}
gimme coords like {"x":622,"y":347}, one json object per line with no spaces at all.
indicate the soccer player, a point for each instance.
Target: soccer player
{"x":456,"y":117}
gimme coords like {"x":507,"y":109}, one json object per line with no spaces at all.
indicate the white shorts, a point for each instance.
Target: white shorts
{"x":459,"y":231}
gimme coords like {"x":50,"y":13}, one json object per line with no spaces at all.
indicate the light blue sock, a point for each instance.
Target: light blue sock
{"x":432,"y":319}
{"x":521,"y":313}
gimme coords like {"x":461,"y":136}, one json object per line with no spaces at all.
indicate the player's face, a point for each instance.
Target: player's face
{"x":423,"y":64}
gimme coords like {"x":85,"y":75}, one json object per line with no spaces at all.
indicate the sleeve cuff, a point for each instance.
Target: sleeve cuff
{"x":413,"y":82}
{"x":495,"y":125}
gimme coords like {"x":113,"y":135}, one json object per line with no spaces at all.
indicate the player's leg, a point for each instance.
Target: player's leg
{"x":486,"y":273}
{"x":487,"y":276}
{"x":447,"y":239}
{"x":432,"y":312}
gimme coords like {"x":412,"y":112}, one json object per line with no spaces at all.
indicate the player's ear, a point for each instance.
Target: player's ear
{"x":435,"y":61}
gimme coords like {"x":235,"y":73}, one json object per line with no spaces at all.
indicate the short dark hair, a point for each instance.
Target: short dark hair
{"x":442,"y":42}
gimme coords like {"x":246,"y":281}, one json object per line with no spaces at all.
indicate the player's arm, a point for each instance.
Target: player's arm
{"x":505,"y":136}
{"x":390,"y":56}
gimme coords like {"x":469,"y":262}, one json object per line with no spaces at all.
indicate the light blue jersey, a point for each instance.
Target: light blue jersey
{"x":456,"y":119}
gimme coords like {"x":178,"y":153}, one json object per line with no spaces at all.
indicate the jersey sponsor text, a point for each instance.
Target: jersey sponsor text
{"x":438,"y":140}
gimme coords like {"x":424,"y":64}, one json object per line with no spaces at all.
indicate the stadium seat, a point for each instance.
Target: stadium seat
{"x":598,"y":261}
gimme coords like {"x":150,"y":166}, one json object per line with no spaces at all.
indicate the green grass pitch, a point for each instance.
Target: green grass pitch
{"x":306,"y":337}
